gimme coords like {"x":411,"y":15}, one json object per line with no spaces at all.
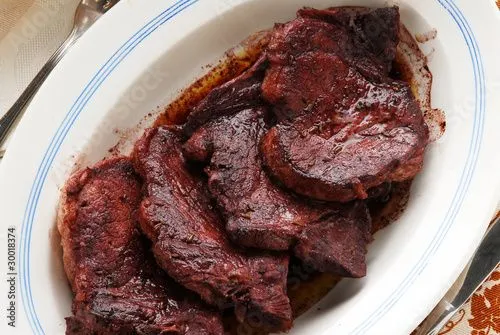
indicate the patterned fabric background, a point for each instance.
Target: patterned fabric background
{"x":481,"y":314}
{"x":30,"y":30}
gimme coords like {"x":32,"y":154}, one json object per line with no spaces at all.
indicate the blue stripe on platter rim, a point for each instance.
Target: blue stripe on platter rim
{"x":179,"y":6}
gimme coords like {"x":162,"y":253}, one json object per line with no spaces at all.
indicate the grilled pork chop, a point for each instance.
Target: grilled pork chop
{"x":327,"y":237}
{"x":118,"y":288}
{"x":342,"y":130}
{"x":190,"y":243}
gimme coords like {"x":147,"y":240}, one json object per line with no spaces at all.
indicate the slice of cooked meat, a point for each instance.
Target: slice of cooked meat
{"x":357,"y":136}
{"x":341,"y":132}
{"x":259,"y":214}
{"x":118,"y":289}
{"x":190,"y":243}
{"x":365,"y":39}
{"x":372,"y":36}
{"x":338,"y":244}
{"x":242,"y":92}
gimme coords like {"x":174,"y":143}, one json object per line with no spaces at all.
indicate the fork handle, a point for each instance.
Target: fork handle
{"x":484,"y":262}
{"x":17,"y":109}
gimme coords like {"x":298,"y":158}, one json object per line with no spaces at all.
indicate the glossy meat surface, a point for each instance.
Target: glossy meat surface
{"x":260,"y":214}
{"x":118,"y":287}
{"x":190,"y":243}
{"x":366,"y":40}
{"x":338,"y":243}
{"x":340,"y":131}
{"x":240,"y":93}
{"x":369,"y":36}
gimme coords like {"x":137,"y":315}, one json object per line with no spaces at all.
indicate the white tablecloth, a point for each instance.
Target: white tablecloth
{"x":30,"y":31}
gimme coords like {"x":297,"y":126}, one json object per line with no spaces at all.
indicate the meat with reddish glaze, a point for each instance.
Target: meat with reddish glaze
{"x":260,"y":214}
{"x":118,"y":288}
{"x":190,"y":243}
{"x":240,"y":93}
{"x":340,"y":132}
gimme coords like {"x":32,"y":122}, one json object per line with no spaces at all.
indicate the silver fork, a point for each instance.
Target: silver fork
{"x":484,"y":262}
{"x":87,"y":12}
